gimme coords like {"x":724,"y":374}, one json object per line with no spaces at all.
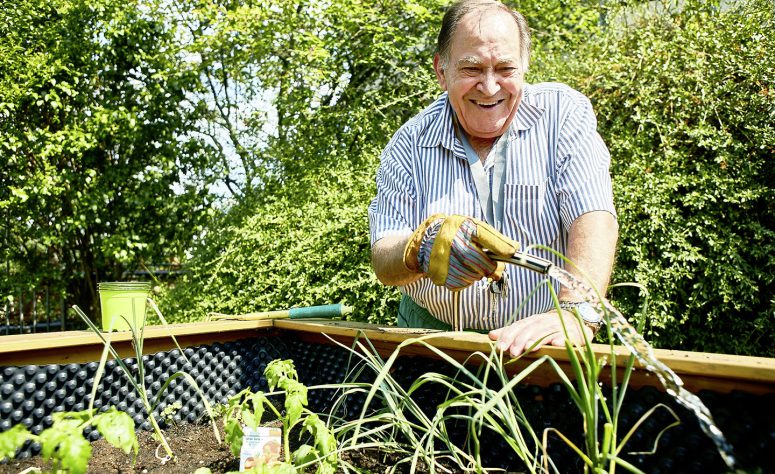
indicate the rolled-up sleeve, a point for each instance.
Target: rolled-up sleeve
{"x":393,"y":208}
{"x":583,"y":177}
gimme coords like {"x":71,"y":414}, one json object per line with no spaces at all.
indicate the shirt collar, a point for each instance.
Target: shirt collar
{"x":441,"y":130}
{"x":527,"y":114}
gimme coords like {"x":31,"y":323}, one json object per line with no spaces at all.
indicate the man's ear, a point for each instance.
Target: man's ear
{"x":437,"y":66}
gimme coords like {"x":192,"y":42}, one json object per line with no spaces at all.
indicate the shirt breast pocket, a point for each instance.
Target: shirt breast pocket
{"x":531,"y":211}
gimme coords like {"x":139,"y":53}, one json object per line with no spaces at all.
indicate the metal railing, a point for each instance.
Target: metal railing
{"x":25,"y":312}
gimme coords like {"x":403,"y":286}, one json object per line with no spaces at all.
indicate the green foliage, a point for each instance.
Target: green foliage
{"x":64,"y":444}
{"x":93,"y":131}
{"x":294,"y":87}
{"x":247,"y":409}
{"x":685,"y":102}
{"x":105,"y":107}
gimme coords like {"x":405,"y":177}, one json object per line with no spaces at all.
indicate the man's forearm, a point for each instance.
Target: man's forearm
{"x":592,"y":248}
{"x":387,"y":260}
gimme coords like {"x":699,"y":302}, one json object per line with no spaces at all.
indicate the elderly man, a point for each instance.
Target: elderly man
{"x":494,"y":163}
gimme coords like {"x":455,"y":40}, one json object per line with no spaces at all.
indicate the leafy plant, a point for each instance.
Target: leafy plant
{"x":684,"y":98}
{"x":64,"y":443}
{"x":247,"y":409}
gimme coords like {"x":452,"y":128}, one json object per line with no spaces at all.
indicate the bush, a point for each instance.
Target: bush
{"x":293,"y":251}
{"x":685,"y":103}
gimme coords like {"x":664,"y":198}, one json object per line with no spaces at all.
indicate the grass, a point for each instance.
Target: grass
{"x":481,"y":396}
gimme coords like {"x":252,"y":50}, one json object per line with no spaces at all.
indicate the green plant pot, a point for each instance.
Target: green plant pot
{"x":123,"y":305}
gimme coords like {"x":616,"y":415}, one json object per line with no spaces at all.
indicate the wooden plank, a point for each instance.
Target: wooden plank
{"x":718,"y":372}
{"x":699,"y":371}
{"x":85,"y":346}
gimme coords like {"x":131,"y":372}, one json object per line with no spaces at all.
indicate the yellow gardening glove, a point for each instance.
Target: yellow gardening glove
{"x":450,"y":249}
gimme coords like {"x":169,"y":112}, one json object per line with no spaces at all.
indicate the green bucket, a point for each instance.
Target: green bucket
{"x":123,"y":305}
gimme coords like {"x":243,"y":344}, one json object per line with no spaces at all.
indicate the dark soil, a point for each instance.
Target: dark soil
{"x":195,"y":446}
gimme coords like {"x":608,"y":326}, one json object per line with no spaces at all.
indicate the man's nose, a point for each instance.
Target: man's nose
{"x":488,"y":84}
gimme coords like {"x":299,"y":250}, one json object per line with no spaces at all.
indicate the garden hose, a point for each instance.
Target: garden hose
{"x":308,"y":312}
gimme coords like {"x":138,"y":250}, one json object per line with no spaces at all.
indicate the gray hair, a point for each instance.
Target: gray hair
{"x":457,"y":10}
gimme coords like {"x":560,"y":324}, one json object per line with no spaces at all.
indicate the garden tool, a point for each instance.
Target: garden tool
{"x":524,"y":260}
{"x":308,"y":312}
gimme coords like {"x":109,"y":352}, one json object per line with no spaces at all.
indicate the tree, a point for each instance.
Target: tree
{"x":342,"y":77}
{"x":277,"y":73}
{"x":100,"y":174}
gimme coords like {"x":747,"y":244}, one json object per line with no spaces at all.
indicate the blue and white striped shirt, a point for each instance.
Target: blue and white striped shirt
{"x":557,"y":170}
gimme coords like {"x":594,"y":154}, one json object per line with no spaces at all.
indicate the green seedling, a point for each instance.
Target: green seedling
{"x":603,"y":447}
{"x":64,"y":445}
{"x":168,"y":414}
{"x":247,"y":409}
{"x":137,"y":378}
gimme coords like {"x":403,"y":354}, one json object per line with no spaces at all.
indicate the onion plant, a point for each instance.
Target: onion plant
{"x":137,"y":378}
{"x":392,"y":419}
{"x":602,"y":448}
{"x":482,"y":397}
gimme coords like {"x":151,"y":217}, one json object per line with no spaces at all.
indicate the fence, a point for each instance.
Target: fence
{"x":32,"y":311}
{"x":25,"y":311}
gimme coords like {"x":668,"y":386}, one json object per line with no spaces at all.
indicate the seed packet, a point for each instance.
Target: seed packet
{"x":260,"y":446}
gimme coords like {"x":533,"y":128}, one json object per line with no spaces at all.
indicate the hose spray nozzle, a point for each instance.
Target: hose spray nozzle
{"x":524,"y":260}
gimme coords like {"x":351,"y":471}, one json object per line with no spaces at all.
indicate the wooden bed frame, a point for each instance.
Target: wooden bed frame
{"x":699,"y":371}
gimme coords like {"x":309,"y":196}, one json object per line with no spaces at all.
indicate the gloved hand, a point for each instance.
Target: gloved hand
{"x":450,"y":249}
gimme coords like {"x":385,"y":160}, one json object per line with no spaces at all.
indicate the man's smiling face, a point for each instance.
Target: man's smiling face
{"x":483,"y":74}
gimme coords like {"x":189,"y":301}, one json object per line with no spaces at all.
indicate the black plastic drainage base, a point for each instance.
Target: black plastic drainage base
{"x":30,"y":394}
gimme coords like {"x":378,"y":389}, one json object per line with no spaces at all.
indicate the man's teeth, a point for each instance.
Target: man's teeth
{"x":487,"y":104}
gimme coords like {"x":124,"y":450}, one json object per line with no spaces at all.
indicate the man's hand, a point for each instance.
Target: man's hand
{"x":543,"y":329}
{"x":450,"y":249}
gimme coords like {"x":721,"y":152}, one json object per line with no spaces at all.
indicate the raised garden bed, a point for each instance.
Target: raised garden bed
{"x":45,"y":373}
